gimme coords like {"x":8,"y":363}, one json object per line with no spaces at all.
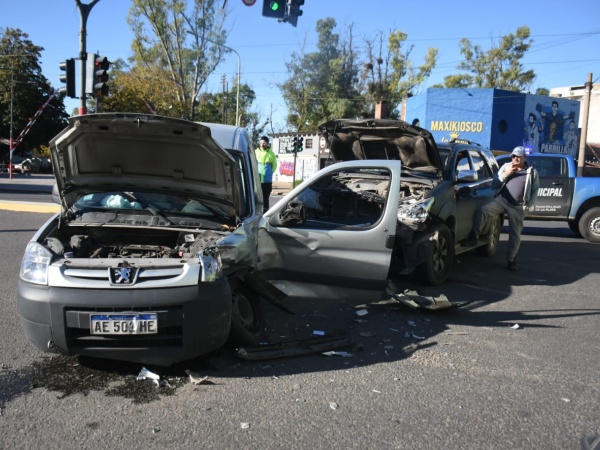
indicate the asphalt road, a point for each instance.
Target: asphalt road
{"x":462,"y":378}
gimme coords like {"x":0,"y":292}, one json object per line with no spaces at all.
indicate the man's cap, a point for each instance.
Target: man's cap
{"x":518,"y":151}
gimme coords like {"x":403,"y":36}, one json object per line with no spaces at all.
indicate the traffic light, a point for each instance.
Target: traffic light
{"x":293,"y":11}
{"x":274,"y":8}
{"x":300,"y":144}
{"x":294,"y":143}
{"x":96,"y":75}
{"x":68,"y":77}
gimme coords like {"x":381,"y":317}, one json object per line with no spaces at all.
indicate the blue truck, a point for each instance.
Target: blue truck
{"x":564,"y":196}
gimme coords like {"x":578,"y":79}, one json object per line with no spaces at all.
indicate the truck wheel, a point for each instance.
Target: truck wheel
{"x":493,"y":237}
{"x":246,"y":319}
{"x":439,"y":260}
{"x":574,"y":226}
{"x":589,"y":225}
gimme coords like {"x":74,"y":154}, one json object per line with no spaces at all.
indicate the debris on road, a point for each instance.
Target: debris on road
{"x":195,"y":378}
{"x":294,"y":348}
{"x":334,"y":353}
{"x":415,"y":300}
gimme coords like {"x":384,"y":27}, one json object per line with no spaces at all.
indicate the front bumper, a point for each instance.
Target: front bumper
{"x":192,"y":320}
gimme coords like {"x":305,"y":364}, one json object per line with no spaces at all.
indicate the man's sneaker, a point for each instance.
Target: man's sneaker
{"x":471,"y":241}
{"x":511,"y":265}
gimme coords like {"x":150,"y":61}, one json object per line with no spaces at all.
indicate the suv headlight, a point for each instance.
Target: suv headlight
{"x":34,"y":268}
{"x":416,"y":212}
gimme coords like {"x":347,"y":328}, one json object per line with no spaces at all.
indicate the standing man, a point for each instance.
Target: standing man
{"x":518,"y":189}
{"x":267,"y":164}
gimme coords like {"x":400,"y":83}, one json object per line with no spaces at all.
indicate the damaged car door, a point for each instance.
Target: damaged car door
{"x":332,"y":236}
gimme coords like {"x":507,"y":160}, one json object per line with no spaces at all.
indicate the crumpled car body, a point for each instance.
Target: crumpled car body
{"x":146,"y":260}
{"x":411,"y":215}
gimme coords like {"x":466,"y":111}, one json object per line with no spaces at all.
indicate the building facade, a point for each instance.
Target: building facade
{"x":498,"y":119}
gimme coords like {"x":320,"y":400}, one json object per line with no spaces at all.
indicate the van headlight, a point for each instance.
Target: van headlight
{"x":416,"y":212}
{"x":36,"y":261}
{"x":212,"y":268}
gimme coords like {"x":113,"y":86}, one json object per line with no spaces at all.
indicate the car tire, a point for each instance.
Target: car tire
{"x":247,"y":319}
{"x":589,"y":225}
{"x":492,"y":239}
{"x":440,"y":257}
{"x":574,"y":226}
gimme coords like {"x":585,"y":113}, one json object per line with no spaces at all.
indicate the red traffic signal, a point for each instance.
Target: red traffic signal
{"x":96,"y":75}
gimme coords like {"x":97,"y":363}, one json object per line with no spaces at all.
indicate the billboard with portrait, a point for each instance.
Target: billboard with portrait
{"x":550,"y":125}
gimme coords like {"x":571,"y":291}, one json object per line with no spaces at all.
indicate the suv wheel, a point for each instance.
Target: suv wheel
{"x":493,"y":237}
{"x":246,"y":319}
{"x":589,"y":225}
{"x":437,"y":266}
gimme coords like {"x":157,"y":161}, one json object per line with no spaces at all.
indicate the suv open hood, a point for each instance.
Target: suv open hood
{"x":123,"y":151}
{"x":353,"y":139}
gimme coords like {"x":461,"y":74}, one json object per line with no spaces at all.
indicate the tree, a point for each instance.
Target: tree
{"x":168,"y":72}
{"x":329,"y":83}
{"x":499,"y":67}
{"x":20,"y":69}
{"x":389,"y":73}
{"x":322,"y":84}
{"x":211,"y":107}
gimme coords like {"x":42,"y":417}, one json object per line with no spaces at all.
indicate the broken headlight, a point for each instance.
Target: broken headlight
{"x":34,"y":268}
{"x":416,"y":212}
{"x":212,"y":268}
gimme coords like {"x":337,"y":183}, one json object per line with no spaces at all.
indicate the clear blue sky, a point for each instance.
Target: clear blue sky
{"x":566,"y":36}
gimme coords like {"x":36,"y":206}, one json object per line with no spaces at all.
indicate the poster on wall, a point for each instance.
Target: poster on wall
{"x":550,"y":125}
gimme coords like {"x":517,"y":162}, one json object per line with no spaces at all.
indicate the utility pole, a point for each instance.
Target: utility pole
{"x":584,"y":125}
{"x":84,"y":12}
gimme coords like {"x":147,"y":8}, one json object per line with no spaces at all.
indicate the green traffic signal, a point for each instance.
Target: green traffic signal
{"x":273,"y":8}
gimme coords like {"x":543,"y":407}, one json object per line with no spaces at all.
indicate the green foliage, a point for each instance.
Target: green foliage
{"x":20,"y":69}
{"x":542,"y":91}
{"x":178,"y":44}
{"x":339,"y":81}
{"x":499,"y":67}
{"x":389,"y":72}
{"x":322,"y":84}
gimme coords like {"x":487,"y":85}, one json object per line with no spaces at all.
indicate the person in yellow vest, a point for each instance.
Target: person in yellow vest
{"x":267,"y":164}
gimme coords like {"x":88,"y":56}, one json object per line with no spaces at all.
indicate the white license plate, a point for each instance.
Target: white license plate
{"x":121,"y":324}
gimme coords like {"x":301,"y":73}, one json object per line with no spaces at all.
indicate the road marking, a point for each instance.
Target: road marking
{"x":29,"y":207}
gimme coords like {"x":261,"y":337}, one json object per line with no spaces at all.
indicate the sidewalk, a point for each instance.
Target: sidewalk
{"x":35,"y":183}
{"x":281,"y":188}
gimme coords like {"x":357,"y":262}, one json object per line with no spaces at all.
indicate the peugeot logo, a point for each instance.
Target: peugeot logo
{"x":122,"y":275}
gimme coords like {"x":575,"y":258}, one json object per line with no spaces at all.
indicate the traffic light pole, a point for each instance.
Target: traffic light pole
{"x":84,"y":12}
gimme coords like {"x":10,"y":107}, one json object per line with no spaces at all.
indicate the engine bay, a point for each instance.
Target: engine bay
{"x":112,"y":242}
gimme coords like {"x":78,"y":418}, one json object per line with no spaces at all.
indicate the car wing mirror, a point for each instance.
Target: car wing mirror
{"x":467,"y":176}
{"x":294,"y":214}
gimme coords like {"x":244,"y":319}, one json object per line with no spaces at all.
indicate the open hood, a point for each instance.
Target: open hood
{"x":354,"y":139}
{"x":126,"y":151}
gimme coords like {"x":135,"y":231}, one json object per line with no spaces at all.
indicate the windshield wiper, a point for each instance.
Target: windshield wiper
{"x":148,"y":206}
